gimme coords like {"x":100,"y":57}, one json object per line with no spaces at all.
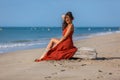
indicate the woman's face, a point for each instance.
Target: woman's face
{"x":68,"y":19}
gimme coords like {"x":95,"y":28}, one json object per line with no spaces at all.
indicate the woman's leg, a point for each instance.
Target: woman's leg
{"x":51,"y":44}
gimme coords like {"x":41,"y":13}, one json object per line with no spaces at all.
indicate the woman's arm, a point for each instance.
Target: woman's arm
{"x":69,"y":29}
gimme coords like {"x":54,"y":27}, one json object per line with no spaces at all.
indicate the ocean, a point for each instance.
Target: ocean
{"x":22,"y":38}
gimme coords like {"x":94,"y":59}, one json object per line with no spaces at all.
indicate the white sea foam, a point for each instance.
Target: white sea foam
{"x":94,"y":34}
{"x":103,"y":33}
{"x":117,"y":32}
{"x":12,"y":45}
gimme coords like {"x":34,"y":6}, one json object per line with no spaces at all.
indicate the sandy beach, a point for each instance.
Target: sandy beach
{"x":20,"y":65}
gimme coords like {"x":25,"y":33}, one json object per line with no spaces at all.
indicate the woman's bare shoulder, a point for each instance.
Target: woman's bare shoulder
{"x":70,"y":27}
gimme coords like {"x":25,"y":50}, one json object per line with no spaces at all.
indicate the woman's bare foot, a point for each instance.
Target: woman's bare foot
{"x":38,"y":60}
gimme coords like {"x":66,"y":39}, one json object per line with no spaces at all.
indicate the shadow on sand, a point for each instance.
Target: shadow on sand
{"x":98,"y":58}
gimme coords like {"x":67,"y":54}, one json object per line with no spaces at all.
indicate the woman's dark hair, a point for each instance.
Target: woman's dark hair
{"x":64,"y":24}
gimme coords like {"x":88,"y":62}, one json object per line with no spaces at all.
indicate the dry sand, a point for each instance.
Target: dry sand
{"x":20,"y":65}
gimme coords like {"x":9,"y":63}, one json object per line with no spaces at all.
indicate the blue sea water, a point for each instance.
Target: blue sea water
{"x":21,"y":38}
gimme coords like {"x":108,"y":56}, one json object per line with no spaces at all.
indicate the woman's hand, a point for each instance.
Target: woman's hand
{"x":56,"y":44}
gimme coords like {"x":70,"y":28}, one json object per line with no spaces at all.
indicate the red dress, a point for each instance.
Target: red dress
{"x":63,"y":50}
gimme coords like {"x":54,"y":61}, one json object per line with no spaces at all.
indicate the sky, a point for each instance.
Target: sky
{"x":48,"y":12}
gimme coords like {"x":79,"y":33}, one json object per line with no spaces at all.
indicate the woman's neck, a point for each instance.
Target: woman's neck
{"x":70,"y":24}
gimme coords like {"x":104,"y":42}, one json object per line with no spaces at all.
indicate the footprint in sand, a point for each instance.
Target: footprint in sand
{"x":83,"y":64}
{"x":55,"y":73}
{"x":110,"y":73}
{"x":100,"y":71}
{"x":62,"y":70}
{"x":48,"y":77}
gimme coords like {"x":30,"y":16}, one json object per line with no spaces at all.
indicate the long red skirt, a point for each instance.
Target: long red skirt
{"x":63,"y":50}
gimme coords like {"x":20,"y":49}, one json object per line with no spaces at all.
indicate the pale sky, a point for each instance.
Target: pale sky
{"x":48,"y":12}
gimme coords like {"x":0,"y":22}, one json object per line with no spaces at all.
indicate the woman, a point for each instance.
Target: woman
{"x":62,"y":48}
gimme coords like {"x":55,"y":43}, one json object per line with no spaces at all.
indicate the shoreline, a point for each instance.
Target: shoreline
{"x":75,"y":40}
{"x":38,"y":37}
{"x":20,"y":65}
{"x":76,"y":43}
